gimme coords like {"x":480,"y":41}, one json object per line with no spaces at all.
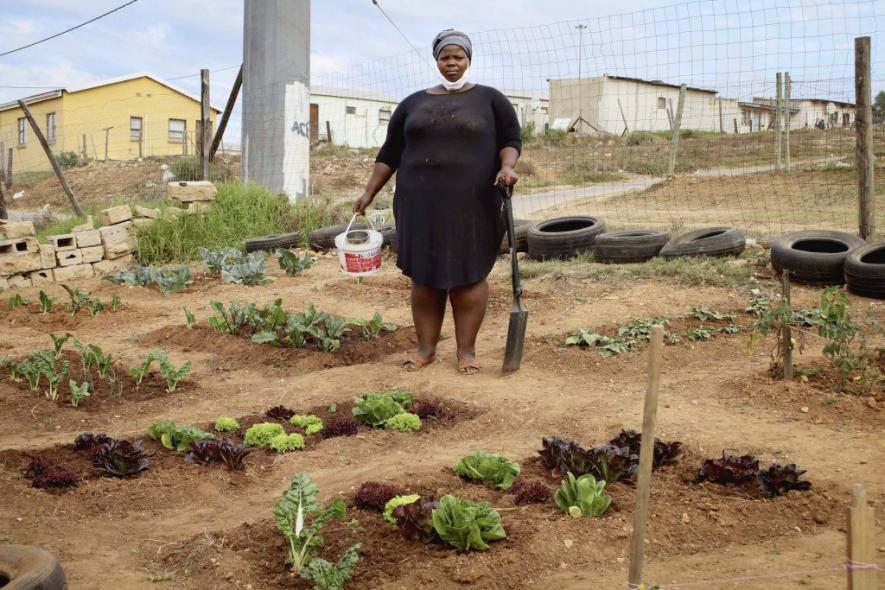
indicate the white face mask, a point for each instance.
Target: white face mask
{"x":457,"y":84}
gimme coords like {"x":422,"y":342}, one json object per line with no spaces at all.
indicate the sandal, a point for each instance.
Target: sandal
{"x":468,"y":367}
{"x":416,"y":363}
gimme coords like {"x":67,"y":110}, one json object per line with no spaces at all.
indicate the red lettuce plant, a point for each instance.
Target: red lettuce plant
{"x":779,"y":479}
{"x":374,"y":495}
{"x":415,"y":520}
{"x":730,"y":469}
{"x":433,"y":410}
{"x":120,"y":458}
{"x":339,"y":427}
{"x":46,"y":474}
{"x":530,"y":492}
{"x":227,"y":452}
{"x":280,"y":413}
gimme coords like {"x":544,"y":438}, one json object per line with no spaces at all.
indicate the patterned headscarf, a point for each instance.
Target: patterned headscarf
{"x":452,"y":37}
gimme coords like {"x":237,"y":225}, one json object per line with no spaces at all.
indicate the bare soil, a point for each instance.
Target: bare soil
{"x":190,"y":526}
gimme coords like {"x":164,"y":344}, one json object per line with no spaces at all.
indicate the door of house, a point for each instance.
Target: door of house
{"x":314,"y":122}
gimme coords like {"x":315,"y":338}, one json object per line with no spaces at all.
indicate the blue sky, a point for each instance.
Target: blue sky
{"x":733,"y":46}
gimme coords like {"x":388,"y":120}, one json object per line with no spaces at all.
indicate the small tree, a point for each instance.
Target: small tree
{"x":879,"y":106}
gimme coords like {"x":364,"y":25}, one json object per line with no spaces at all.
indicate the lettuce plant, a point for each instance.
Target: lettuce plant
{"x":730,"y":469}
{"x":300,"y":517}
{"x":415,"y":520}
{"x":404,"y":422}
{"x":226,"y":424}
{"x":328,"y":576}
{"x":466,"y":525}
{"x":227,"y":452}
{"x":260,"y":435}
{"x":78,"y":392}
{"x":279,"y":413}
{"x":374,"y":495}
{"x":120,"y":458}
{"x":493,"y":470}
{"x":340,"y":426}
{"x":46,"y":474}
{"x":175,"y":437}
{"x":778,"y":479}
{"x":303,"y":421}
{"x":582,"y":496}
{"x":377,"y":408}
{"x":532,"y":492}
{"x":395,"y":502}
{"x":286,"y":443}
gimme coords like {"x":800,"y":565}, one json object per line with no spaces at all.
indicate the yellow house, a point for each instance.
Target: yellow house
{"x":125,"y":118}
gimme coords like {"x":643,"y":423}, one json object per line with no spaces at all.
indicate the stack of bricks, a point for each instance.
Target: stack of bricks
{"x":196,"y":196}
{"x":21,"y":255}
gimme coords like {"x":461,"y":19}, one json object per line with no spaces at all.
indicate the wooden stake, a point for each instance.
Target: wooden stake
{"x":626,"y":127}
{"x":861,"y":542}
{"x":786,"y":110}
{"x":677,"y":124}
{"x":721,"y":126}
{"x":735,"y":125}
{"x":646,"y":454}
{"x":4,"y":214}
{"x":864,"y":134}
{"x":328,"y":132}
{"x":788,"y":330}
{"x":107,"y":131}
{"x":85,"y":153}
{"x":777,"y":121}
{"x":228,"y":109}
{"x":205,"y":138}
{"x":9,"y":168}
{"x":58,"y":171}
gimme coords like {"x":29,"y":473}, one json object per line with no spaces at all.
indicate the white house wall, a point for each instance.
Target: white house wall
{"x":362,"y":129}
{"x":639,"y":101}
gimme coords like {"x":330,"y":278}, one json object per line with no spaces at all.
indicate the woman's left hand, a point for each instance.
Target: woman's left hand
{"x":508,"y":175}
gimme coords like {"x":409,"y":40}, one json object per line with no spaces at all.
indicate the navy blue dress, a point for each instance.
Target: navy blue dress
{"x":445,"y":150}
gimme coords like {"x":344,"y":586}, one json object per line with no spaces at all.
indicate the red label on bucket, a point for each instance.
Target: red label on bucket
{"x":366,"y":262}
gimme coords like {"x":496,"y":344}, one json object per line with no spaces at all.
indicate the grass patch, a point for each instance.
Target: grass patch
{"x":700,"y":270}
{"x":30,"y":177}
{"x":239,"y":212}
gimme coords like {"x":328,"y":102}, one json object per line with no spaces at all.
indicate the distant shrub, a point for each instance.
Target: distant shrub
{"x":71,"y":160}
{"x":186,"y":168}
{"x":528,"y":132}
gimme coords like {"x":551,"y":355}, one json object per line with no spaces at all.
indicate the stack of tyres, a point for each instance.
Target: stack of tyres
{"x":865,"y":271}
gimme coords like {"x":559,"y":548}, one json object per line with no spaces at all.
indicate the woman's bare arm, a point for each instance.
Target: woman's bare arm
{"x":509,"y":157}
{"x":381,"y":173}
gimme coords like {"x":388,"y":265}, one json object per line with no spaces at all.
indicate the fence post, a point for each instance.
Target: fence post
{"x":205,"y":138}
{"x":861,"y":542}
{"x":721,"y":125}
{"x":864,"y":132}
{"x":779,"y":82}
{"x":85,"y":153}
{"x":2,"y":162}
{"x":228,"y":109}
{"x":107,"y":131}
{"x":3,"y":213}
{"x":58,"y":171}
{"x":329,"y":132}
{"x":626,"y":127}
{"x":9,"y":168}
{"x":735,"y":126}
{"x":788,"y":330}
{"x":677,"y":123}
{"x":646,"y":454}
{"x":786,"y":110}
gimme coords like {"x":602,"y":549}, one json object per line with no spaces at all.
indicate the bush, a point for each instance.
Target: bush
{"x":239,"y":212}
{"x":71,"y":160}
{"x":528,"y":131}
{"x":186,"y":168}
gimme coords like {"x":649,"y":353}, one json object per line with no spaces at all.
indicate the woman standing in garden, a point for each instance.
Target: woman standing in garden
{"x":450,"y":145}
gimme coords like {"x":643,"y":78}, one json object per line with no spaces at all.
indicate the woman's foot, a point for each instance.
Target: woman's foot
{"x":468,"y":365}
{"x":417,"y":362}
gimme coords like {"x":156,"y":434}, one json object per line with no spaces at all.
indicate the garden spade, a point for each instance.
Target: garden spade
{"x":518,"y":315}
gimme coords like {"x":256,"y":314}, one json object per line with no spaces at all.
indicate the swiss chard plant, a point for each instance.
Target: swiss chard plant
{"x":138,"y":372}
{"x":466,"y":525}
{"x":491,"y":469}
{"x":17,"y":301}
{"x":291,"y":263}
{"x":172,"y":375}
{"x":58,"y":342}
{"x":46,"y":302}
{"x":371,"y":329}
{"x":81,"y":299}
{"x":332,"y":576}
{"x":300,"y":517}
{"x":582,"y":496}
{"x":175,"y":437}
{"x":78,"y":392}
{"x":189,"y":318}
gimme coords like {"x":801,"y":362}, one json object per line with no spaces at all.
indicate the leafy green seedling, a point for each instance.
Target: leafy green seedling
{"x":189,"y":318}
{"x":17,"y":301}
{"x":78,"y":392}
{"x":172,"y":375}
{"x":46,"y":302}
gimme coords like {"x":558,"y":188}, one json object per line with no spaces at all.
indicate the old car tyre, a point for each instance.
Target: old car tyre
{"x":388,"y":235}
{"x":521,"y":229}
{"x":324,"y":237}
{"x":563,"y":237}
{"x":638,"y":245}
{"x":814,"y":256}
{"x":273,"y":241}
{"x":721,"y":240}
{"x":865,"y":271}
{"x":29,"y":568}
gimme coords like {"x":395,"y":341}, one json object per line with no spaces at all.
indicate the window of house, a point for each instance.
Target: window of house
{"x":135,"y":128}
{"x":22,"y":134}
{"x":746,"y":117}
{"x":662,"y":103}
{"x":350,"y":110}
{"x":177,"y":129}
{"x":50,"y":127}
{"x":384,"y":116}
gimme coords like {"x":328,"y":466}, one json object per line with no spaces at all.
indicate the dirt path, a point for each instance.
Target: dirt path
{"x":132,"y":524}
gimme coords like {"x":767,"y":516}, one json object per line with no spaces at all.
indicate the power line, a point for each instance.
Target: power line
{"x":83,"y":24}
{"x":390,"y":20}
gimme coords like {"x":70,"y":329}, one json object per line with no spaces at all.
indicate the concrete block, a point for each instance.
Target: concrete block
{"x":173,"y":212}
{"x":63,"y":242}
{"x":78,"y":271}
{"x":105,"y":267}
{"x":42,"y":277}
{"x":92,"y":253}
{"x":119,"y":248}
{"x":88,"y":238}
{"x":21,"y":229}
{"x":142,"y":222}
{"x":20,"y":281}
{"x":11,"y":264}
{"x":116,"y":233}
{"x":89,"y":225}
{"x":47,"y":256}
{"x":114,"y":215}
{"x":188,"y":192}
{"x":69,"y":257}
{"x":4,"y":283}
{"x":147,"y":213}
{"x":19,"y":246}
{"x":197,"y":207}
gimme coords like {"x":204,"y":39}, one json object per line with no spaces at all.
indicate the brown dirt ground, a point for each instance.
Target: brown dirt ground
{"x":202,"y":527}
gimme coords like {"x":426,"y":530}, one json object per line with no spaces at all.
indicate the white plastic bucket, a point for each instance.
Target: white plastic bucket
{"x":359,"y":251}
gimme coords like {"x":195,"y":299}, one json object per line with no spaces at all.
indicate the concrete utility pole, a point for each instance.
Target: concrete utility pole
{"x":276,"y":95}
{"x":580,"y":122}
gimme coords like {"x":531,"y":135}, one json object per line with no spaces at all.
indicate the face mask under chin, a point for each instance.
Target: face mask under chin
{"x":457,"y":84}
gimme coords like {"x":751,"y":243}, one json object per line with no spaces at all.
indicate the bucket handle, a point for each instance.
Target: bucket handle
{"x":352,"y":219}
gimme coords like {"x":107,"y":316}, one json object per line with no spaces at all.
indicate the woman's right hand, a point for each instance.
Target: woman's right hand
{"x":362,"y":203}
